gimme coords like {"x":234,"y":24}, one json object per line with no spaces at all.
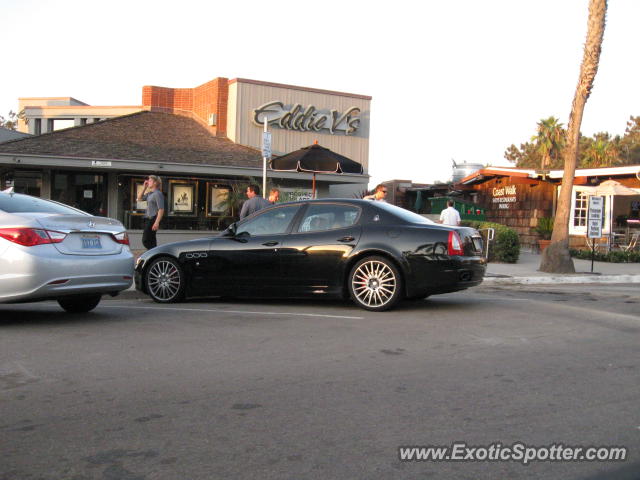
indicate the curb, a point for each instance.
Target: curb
{"x":565,"y":279}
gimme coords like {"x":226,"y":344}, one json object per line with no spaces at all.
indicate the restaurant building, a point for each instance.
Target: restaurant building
{"x":518,"y":198}
{"x":202,"y":142}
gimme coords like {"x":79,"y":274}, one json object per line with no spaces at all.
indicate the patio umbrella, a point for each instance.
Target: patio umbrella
{"x":315,"y":159}
{"x":611,"y":188}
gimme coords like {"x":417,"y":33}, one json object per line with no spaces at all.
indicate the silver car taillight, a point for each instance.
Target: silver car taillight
{"x":122,"y":238}
{"x":29,"y":237}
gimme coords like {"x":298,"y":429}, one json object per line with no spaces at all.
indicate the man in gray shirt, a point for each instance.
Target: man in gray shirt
{"x":155,"y":210}
{"x":255,"y":202}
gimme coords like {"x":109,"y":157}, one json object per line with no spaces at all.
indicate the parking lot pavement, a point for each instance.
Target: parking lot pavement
{"x":317,"y":389}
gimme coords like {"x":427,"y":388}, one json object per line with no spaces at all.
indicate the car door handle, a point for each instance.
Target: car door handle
{"x":348,"y":238}
{"x":270,"y":244}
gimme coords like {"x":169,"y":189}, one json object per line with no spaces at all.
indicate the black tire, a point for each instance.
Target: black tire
{"x":80,"y":303}
{"x":375,"y":284}
{"x":165,"y":281}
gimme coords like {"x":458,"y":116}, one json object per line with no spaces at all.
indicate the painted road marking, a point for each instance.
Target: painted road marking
{"x":243,"y":312}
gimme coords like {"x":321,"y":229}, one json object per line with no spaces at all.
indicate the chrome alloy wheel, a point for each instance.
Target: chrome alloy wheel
{"x":374,"y":283}
{"x":164,"y":280}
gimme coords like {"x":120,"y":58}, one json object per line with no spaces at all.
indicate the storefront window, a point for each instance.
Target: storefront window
{"x":190,"y":203}
{"x":581,"y":206}
{"x":580,"y":211}
{"x":22,"y":181}
{"x":84,"y":191}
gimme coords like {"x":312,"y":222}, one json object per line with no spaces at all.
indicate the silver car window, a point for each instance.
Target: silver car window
{"x":16,"y":203}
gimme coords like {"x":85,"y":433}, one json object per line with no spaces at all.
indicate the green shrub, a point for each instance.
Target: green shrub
{"x":505,"y":246}
{"x":615,"y":256}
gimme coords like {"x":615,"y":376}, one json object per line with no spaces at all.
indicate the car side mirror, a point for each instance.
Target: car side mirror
{"x":241,"y":237}
{"x":230,"y":231}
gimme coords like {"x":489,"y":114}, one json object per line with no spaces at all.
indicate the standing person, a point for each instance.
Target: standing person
{"x":274,"y":195}
{"x":254,"y":203}
{"x":379,"y":194}
{"x":155,"y":210}
{"x":450,"y":216}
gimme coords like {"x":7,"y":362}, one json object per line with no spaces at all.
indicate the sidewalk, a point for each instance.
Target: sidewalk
{"x":526,"y":272}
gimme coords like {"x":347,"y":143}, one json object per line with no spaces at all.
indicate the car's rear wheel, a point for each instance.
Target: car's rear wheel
{"x":80,"y":303}
{"x":375,"y":283}
{"x":165,"y":280}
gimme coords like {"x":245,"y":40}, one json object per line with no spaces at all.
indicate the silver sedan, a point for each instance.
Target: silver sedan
{"x":52,"y":251}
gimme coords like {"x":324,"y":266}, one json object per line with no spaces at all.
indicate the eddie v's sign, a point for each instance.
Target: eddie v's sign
{"x":309,"y":119}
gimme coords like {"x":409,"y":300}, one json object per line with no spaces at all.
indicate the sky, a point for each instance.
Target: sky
{"x":456,"y":79}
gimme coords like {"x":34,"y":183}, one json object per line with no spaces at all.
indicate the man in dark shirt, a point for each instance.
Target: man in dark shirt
{"x":254,"y":203}
{"x":155,"y":210}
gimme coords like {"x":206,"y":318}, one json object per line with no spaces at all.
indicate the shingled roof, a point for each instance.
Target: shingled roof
{"x":145,"y":136}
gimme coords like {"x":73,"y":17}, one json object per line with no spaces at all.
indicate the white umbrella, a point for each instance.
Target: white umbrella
{"x":611,"y":188}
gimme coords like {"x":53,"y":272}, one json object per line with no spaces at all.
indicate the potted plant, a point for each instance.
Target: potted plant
{"x":544,"y":229}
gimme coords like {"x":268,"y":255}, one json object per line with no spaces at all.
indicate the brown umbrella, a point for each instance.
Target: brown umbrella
{"x":315,"y":159}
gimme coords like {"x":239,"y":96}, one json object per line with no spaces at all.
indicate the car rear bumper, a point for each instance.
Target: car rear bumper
{"x":40,"y":273}
{"x":450,"y":275}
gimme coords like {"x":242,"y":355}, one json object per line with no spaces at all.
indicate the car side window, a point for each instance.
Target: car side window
{"x":321,"y":217}
{"x":270,"y":222}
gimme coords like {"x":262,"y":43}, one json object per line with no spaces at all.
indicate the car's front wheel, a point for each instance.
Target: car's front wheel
{"x":375,"y":284}
{"x":80,"y":303}
{"x":165,"y":280}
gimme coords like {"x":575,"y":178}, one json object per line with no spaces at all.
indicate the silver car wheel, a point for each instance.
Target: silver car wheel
{"x":374,"y":284}
{"x":164,"y":280}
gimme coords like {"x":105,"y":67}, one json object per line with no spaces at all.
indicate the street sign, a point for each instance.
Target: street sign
{"x":594,"y":229}
{"x":266,"y":144}
{"x":594,"y":218}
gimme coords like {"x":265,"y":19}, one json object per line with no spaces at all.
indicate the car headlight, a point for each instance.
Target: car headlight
{"x":139,"y":262}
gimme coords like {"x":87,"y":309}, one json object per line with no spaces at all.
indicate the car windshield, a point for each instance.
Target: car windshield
{"x":405,"y":215}
{"x":16,"y":203}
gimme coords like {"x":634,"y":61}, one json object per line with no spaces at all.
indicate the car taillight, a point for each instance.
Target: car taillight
{"x":30,"y":237}
{"x":455,"y":244}
{"x":122,"y":238}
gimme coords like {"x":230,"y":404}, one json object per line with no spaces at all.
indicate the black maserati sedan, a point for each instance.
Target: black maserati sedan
{"x":374,"y":252}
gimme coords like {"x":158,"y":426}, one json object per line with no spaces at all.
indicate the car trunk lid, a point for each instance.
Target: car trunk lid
{"x":472,"y":242}
{"x":85,"y":234}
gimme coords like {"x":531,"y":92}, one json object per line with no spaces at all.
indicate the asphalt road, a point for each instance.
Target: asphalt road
{"x":319,"y":390}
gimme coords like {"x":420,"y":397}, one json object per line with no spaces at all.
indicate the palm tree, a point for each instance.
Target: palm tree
{"x":549,"y":140}
{"x":601,"y":152}
{"x":556,"y":257}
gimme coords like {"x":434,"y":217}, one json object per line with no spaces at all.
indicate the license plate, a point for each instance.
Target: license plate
{"x":477,"y":244}
{"x":91,"y":242}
